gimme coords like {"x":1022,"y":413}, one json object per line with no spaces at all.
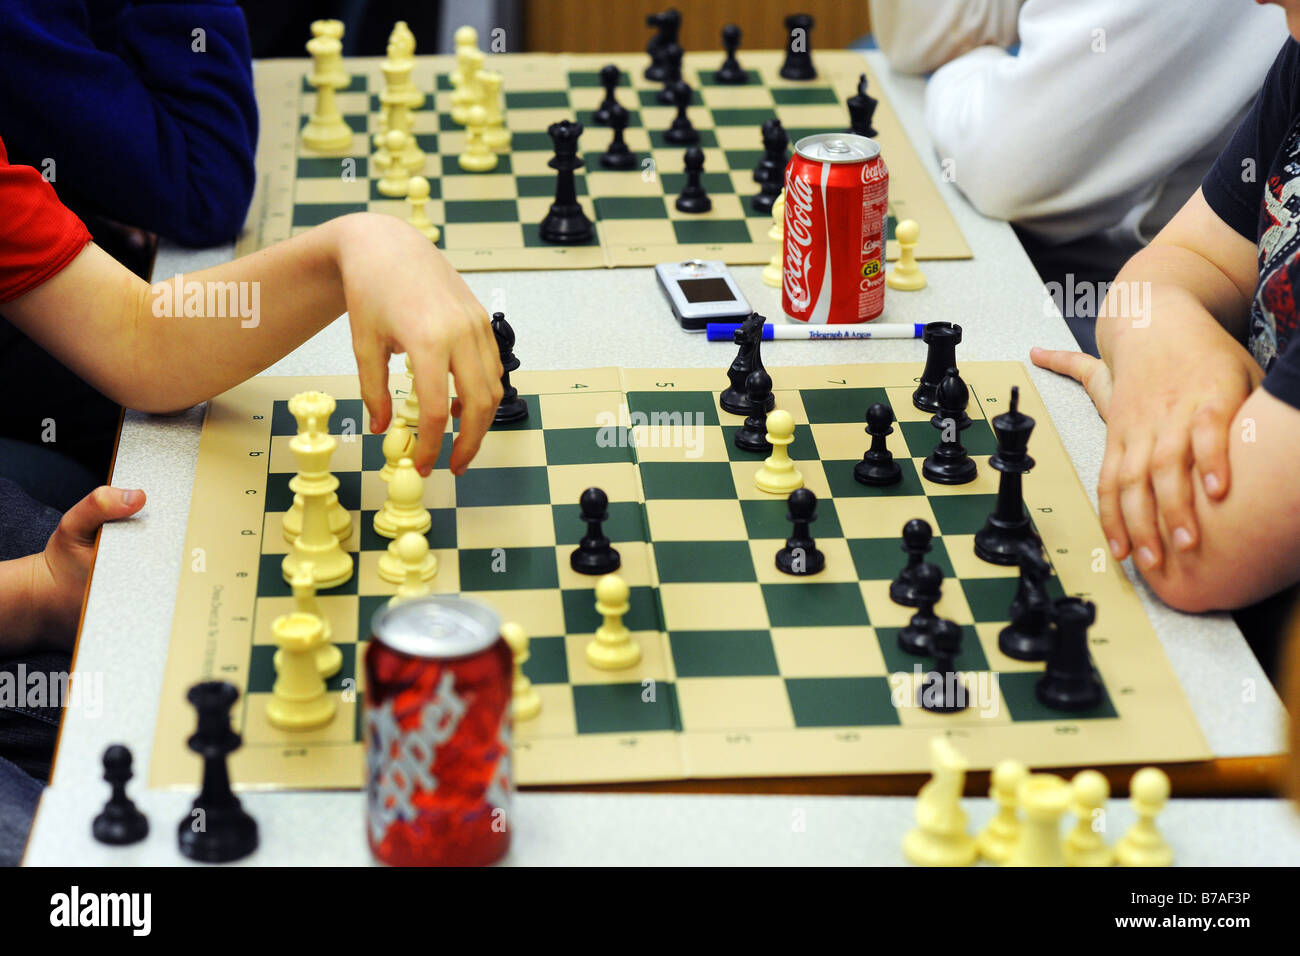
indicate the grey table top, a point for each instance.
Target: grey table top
{"x":580,"y":319}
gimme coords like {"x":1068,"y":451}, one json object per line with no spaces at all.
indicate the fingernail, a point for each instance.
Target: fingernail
{"x":1115,"y":548}
{"x":130,"y":497}
{"x":1212,"y":483}
{"x":1182,"y":539}
{"x":1145,"y":558}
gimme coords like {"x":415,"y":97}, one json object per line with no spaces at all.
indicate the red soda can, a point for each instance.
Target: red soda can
{"x":836,"y":203}
{"x":437,"y":709}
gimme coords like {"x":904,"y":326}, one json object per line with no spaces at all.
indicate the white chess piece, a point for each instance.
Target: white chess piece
{"x":1044,"y":798}
{"x":298,"y":699}
{"x":329,"y":659}
{"x":778,"y":475}
{"x":939,"y":837}
{"x":772,"y":271}
{"x":1084,"y":845}
{"x":399,"y":443}
{"x":998,"y":839}
{"x":612,"y":648}
{"x":468,"y":64}
{"x":408,"y":562}
{"x":403,"y":509}
{"x":906,"y":276}
{"x":411,"y":406}
{"x":326,"y":131}
{"x":394,"y":177}
{"x":477,"y":158}
{"x":524,"y":702}
{"x":417,"y":194}
{"x":495,"y":133}
{"x":313,"y":446}
{"x":1143,"y":844}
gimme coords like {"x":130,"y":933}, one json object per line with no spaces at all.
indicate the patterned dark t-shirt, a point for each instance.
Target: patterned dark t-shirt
{"x":1254,"y":186}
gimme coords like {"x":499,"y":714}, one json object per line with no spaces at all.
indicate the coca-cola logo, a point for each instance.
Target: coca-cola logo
{"x":873,"y":172}
{"x":798,"y":246}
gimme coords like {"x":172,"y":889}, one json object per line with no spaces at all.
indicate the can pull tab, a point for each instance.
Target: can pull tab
{"x":835,"y":146}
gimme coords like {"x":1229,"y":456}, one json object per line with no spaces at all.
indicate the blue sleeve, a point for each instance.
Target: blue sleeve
{"x":141,"y":126}
{"x":1234,"y":186}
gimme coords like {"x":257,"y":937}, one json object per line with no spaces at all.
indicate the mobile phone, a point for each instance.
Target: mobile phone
{"x":701,"y":291}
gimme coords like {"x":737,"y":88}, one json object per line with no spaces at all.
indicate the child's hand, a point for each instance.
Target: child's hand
{"x":403,"y":296}
{"x":59,"y":573}
{"x":1167,"y":416}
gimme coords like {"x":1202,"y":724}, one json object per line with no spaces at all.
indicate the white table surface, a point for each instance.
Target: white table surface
{"x":580,"y":319}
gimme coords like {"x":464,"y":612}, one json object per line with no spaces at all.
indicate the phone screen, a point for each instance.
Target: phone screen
{"x":706,"y":290}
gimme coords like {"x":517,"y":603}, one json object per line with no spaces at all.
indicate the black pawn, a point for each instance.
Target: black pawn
{"x":693,"y":197}
{"x":770,"y":171}
{"x":915,"y":637}
{"x":942,"y":691}
{"x":594,"y":554}
{"x":877,"y":467}
{"x":217,"y":830}
{"x":668,"y":24}
{"x":800,"y":555}
{"x":950,"y":463}
{"x":916,"y":545}
{"x":752,"y":436}
{"x":862,"y":108}
{"x":1070,"y":682}
{"x":942,"y":338}
{"x":1029,"y":635}
{"x":731,"y":72}
{"x":609,"y":77}
{"x":749,"y":337}
{"x":565,"y":222}
{"x":120,"y":822}
{"x":618,"y":156}
{"x":512,"y":408}
{"x":672,"y":74}
{"x":681,"y":131}
{"x":1008,"y":529}
{"x":798,"y":63}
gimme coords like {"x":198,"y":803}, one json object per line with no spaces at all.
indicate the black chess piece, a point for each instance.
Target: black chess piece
{"x":950,"y":463}
{"x":915,"y":637}
{"x":618,"y":155}
{"x":731,"y":73}
{"x":693,"y":197}
{"x":800,"y":555}
{"x":1029,"y":635}
{"x":120,"y":822}
{"x":862,"y":109}
{"x":916,"y":545}
{"x":749,"y":337}
{"x":942,"y":690}
{"x":672,"y":75}
{"x":512,"y":408}
{"x":765,"y":198}
{"x":752,"y":436}
{"x":609,"y":77}
{"x":1008,"y":528}
{"x":877,"y":467}
{"x":565,"y":223}
{"x":680,"y":131}
{"x":594,"y":554}
{"x":1070,"y":681}
{"x":942,"y":339}
{"x":217,"y":829}
{"x":798,"y":63}
{"x":770,"y":171}
{"x":668,"y":24}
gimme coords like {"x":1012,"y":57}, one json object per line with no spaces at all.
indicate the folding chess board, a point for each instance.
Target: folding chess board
{"x":745,"y":671}
{"x":490,"y":220}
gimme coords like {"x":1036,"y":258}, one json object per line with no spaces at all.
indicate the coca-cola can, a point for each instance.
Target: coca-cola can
{"x":836,"y":204}
{"x":437,"y":734}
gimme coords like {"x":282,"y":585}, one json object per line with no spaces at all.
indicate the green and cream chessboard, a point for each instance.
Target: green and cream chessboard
{"x":489,"y":221}
{"x":745,"y":671}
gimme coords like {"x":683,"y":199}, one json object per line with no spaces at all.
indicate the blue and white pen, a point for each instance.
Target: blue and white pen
{"x":724,"y":331}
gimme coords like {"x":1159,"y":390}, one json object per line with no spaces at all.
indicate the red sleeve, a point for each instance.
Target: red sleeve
{"x":38,"y":234}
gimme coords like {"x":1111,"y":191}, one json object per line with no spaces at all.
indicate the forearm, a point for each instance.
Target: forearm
{"x":920,"y":37}
{"x":21,"y":612}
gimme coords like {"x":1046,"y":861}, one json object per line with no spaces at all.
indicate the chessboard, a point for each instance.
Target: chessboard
{"x":745,"y":671}
{"x":489,"y":221}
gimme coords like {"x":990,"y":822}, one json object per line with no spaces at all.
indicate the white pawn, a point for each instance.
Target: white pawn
{"x":778,"y":475}
{"x":1044,"y":798}
{"x":298,"y":699}
{"x":417,"y":194}
{"x":477,"y":158}
{"x":1143,"y":844}
{"x":772,"y":271}
{"x":417,"y":564}
{"x":998,"y":839}
{"x":495,"y":133}
{"x":906,"y":276}
{"x":408,"y":557}
{"x":411,"y":407}
{"x":940,"y":837}
{"x":524,"y":700}
{"x":612,"y":648}
{"x":399,"y":443}
{"x":403,"y":509}
{"x":1084,"y":846}
{"x":394,"y":177}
